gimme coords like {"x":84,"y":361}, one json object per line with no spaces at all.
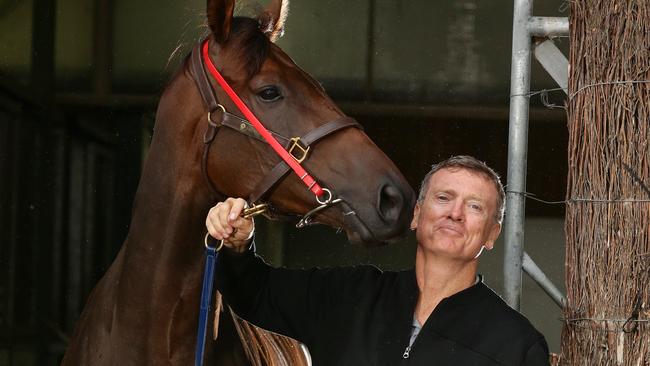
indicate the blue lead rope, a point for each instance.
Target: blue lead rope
{"x":211,"y":255}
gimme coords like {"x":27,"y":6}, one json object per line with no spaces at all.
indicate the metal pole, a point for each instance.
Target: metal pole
{"x":517,"y":151}
{"x":102,"y":48}
{"x":42,"y":62}
{"x":370,"y":52}
{"x":531,"y":268}
{"x":548,"y":26}
{"x":553,"y":61}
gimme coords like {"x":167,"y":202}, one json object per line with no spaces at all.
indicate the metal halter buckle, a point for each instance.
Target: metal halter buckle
{"x":296,"y":144}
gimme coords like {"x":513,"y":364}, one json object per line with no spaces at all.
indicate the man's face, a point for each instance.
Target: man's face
{"x":457,"y":215}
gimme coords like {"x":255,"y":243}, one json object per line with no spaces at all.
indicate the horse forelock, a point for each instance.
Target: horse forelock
{"x":252,"y":45}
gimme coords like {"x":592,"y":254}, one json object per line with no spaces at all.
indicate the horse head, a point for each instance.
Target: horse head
{"x":376,"y":201}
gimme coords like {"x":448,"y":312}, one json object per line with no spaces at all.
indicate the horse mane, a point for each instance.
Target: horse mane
{"x":263,"y":348}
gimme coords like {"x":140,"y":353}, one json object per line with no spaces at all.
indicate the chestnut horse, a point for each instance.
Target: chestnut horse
{"x":144,"y":310}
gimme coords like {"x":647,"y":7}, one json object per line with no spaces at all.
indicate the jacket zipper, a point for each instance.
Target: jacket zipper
{"x":407,"y":352}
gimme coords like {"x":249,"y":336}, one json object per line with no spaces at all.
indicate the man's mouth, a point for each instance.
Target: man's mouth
{"x":452,"y":229}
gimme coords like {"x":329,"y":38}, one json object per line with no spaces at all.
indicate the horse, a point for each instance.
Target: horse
{"x":144,"y":309}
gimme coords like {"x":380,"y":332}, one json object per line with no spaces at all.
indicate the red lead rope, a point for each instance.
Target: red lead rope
{"x":284,"y":154}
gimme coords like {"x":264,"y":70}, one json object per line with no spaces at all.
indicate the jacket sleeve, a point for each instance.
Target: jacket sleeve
{"x":298,"y":303}
{"x":537,"y":354}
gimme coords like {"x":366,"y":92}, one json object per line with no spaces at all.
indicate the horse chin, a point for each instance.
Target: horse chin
{"x":359,"y":233}
{"x":364,"y":229}
{"x":368,"y":240}
{"x":363,"y":236}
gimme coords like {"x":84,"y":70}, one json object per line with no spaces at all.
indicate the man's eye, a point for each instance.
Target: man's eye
{"x":443,"y":198}
{"x":269,"y":94}
{"x":476,"y":207}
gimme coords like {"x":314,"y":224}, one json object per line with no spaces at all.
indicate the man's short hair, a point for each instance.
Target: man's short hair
{"x":474,"y":165}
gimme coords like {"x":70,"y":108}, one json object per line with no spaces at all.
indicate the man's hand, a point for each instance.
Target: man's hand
{"x":224,"y":222}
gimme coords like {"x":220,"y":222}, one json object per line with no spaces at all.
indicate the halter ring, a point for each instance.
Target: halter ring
{"x":329,"y":198}
{"x":207,"y":246}
{"x":210,"y":121}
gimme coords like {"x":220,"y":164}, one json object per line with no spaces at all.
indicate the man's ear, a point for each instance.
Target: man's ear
{"x":219,"y":13}
{"x":416,"y":214}
{"x":273,"y":18}
{"x":494,"y":234}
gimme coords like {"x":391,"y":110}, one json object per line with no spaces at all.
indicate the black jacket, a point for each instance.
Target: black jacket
{"x":363,"y":316}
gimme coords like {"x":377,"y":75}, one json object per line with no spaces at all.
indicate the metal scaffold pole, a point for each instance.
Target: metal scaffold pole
{"x":524,"y":28}
{"x":517,"y":152}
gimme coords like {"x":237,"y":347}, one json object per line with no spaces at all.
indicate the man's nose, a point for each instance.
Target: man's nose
{"x":457,"y":211}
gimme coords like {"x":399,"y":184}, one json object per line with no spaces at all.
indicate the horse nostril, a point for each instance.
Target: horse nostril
{"x":390,"y":203}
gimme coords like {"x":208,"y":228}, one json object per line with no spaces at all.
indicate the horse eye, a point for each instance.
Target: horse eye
{"x":269,"y":94}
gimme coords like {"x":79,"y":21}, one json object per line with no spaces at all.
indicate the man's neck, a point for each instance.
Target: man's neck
{"x":439,"y":278}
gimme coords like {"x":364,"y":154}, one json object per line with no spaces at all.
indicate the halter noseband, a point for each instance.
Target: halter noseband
{"x":297,"y":147}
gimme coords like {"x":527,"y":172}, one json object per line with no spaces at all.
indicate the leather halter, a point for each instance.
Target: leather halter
{"x":217,"y":117}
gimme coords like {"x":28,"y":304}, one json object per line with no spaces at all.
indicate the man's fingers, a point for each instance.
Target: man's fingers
{"x":237,"y":207}
{"x":224,"y":222}
{"x":212,"y":230}
{"x":218,"y":218}
{"x":241,"y":227}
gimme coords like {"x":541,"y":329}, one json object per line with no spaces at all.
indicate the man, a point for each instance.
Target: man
{"x":440,"y":313}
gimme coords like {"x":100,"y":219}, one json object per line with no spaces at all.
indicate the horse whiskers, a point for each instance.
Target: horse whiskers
{"x":351,"y":212}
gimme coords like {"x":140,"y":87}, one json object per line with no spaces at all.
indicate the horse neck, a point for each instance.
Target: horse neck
{"x":172,"y":199}
{"x":148,"y":299}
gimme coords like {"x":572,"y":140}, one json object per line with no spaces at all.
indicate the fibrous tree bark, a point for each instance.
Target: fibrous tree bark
{"x":608,"y":192}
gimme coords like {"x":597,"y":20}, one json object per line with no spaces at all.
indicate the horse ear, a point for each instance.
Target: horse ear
{"x":219,"y":14}
{"x":273,"y":17}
